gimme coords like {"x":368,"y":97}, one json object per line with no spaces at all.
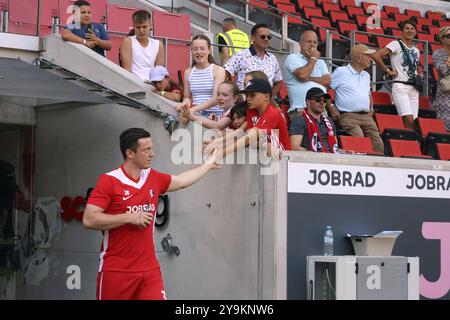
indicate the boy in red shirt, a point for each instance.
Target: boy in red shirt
{"x":123,"y":205}
{"x":261,"y":115}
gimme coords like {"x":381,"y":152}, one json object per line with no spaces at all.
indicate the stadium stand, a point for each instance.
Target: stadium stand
{"x":357,"y":144}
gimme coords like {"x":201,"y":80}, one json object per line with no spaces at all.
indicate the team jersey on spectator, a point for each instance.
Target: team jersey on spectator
{"x":270,"y":119}
{"x":129,"y":248}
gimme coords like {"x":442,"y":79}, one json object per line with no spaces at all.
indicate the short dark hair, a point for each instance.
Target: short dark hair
{"x":141,"y":16}
{"x":129,"y":139}
{"x":239,"y":109}
{"x":403,"y":24}
{"x":258,"y":26}
{"x":80,"y":3}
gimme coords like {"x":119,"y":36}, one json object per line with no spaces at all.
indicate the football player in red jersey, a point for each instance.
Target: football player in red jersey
{"x":123,"y":205}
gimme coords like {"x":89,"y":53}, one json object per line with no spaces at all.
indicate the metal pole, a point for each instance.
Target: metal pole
{"x":374,"y":76}
{"x":329,"y":49}
{"x":166,"y":41}
{"x":39,"y":19}
{"x":425,"y":70}
{"x":284,"y":31}
{"x":352,"y":38}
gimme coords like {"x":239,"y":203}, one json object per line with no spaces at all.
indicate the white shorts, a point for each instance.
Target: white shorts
{"x":406,"y":99}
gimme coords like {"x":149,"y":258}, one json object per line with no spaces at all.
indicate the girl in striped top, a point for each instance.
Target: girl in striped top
{"x":202,"y":80}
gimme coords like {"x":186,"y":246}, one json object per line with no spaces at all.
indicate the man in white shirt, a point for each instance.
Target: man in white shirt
{"x":140,"y":53}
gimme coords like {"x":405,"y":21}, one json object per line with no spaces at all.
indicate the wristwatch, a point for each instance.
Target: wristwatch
{"x":84,"y":41}
{"x":163,"y":93}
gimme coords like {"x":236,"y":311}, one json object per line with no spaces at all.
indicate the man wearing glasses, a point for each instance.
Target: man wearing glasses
{"x":312,"y":130}
{"x":256,"y":58}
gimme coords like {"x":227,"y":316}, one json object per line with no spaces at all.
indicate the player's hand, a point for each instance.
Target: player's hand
{"x":184,"y":104}
{"x":142,"y":219}
{"x":211,"y":161}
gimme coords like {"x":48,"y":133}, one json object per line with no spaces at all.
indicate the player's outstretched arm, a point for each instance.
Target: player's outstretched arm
{"x":95,"y":217}
{"x":190,"y":177}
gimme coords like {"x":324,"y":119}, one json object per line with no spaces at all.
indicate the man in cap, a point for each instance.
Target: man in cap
{"x":261,"y":116}
{"x":353,"y":98}
{"x":159,"y":78}
{"x":312,"y":130}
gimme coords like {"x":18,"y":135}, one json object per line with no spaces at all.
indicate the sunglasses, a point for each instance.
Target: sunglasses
{"x":263,"y":37}
{"x":318,"y":100}
{"x":447,"y":36}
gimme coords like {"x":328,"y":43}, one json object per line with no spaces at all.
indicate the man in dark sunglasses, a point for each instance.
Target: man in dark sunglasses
{"x":256,"y":58}
{"x":312,"y":130}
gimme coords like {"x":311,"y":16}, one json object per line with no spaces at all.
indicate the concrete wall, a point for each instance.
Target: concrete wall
{"x":222,"y":225}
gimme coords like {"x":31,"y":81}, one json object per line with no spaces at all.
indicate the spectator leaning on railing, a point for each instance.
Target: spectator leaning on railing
{"x":166,"y":87}
{"x":140,"y":53}
{"x":92,"y":35}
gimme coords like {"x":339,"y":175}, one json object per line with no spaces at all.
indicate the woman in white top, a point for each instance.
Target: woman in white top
{"x":202,"y":80}
{"x":140,"y":53}
{"x":405,"y":96}
{"x":227,"y":96}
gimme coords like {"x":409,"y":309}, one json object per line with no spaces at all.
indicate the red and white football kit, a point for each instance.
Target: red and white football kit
{"x":128,"y":267}
{"x":270,"y":119}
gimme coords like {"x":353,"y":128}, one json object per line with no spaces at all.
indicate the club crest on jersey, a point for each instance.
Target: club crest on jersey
{"x":152,"y":194}
{"x":126,"y":193}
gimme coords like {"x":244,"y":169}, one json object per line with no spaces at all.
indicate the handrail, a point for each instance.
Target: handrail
{"x":425,"y":90}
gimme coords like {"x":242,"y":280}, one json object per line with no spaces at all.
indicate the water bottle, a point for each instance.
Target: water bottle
{"x":328,"y":242}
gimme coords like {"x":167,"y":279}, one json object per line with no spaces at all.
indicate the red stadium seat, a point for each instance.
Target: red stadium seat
{"x":427,"y":126}
{"x":327,"y":7}
{"x":383,"y":41}
{"x":345,"y":27}
{"x":178,"y":53}
{"x":335,"y":16}
{"x":443,"y":151}
{"x":113,"y":54}
{"x":49,"y":10}
{"x":381,"y":98}
{"x":434,"y":15}
{"x":322,"y":22}
{"x":119,"y":18}
{"x":413,"y":13}
{"x":390,"y":10}
{"x":397,"y":33}
{"x":312,"y":12}
{"x":357,"y":144}
{"x":435,"y":46}
{"x":23,"y":17}
{"x":424,"y":102}
{"x":362,"y":38}
{"x":369,"y":5}
{"x":398,"y":17}
{"x":388,"y":121}
{"x":288,"y":7}
{"x":324,"y":1}
{"x":389,"y":24}
{"x":347,"y":4}
{"x":406,"y":149}
{"x":430,"y":59}
{"x":306,"y":3}
{"x":354,"y":11}
{"x":254,"y":3}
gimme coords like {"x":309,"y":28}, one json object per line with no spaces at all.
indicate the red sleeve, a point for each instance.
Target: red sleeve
{"x":163,"y":181}
{"x":101,"y":195}
{"x":250,"y":114}
{"x":175,"y":88}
